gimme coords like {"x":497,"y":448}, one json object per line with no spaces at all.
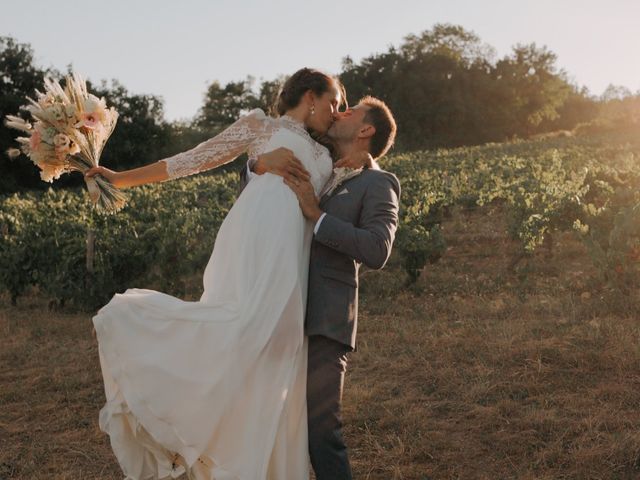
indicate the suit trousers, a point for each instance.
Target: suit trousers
{"x":325,"y":380}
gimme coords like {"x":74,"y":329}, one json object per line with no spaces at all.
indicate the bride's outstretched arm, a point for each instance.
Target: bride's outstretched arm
{"x":216,"y":151}
{"x":154,"y":172}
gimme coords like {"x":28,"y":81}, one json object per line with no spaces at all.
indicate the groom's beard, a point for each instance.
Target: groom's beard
{"x":339,"y":140}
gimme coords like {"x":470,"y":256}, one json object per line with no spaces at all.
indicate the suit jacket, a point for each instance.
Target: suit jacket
{"x":358,"y":228}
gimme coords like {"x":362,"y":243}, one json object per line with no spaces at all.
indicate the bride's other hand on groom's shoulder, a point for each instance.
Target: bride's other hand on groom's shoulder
{"x":356,"y":160}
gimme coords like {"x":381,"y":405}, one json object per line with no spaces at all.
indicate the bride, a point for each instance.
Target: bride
{"x":216,"y":388}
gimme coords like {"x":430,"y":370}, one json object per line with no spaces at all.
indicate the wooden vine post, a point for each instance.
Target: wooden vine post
{"x":91,"y":244}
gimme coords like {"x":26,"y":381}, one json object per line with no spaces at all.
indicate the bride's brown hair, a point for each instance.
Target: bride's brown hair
{"x":301,"y":81}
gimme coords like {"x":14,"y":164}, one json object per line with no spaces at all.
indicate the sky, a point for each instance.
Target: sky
{"x":175,"y":49}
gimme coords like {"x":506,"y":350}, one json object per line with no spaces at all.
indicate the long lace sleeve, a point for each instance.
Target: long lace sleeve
{"x":221,"y":149}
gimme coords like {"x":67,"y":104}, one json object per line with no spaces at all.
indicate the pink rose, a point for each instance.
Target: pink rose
{"x":34,"y":141}
{"x":88,"y":120}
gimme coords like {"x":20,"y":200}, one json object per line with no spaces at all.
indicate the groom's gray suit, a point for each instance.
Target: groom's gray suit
{"x":359,"y":227}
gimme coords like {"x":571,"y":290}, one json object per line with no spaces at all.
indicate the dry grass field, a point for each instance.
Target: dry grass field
{"x":475,"y":373}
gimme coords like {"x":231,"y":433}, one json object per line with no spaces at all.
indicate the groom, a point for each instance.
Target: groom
{"x":354,"y":224}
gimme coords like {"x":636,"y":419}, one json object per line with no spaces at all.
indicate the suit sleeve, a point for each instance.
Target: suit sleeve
{"x":371,"y":240}
{"x":245,"y":175}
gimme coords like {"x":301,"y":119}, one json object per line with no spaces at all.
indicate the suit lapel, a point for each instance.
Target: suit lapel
{"x":325,"y":198}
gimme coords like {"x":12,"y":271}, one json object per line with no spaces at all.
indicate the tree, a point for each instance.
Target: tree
{"x":268,"y":94}
{"x":223,"y":105}
{"x":620,"y":108}
{"x":446,"y":89}
{"x":451,"y":41}
{"x":535,"y":90}
{"x":434,"y":82}
{"x":579,"y":107}
{"x":19,"y":79}
{"x":141,"y":134}
{"x":615,"y":92}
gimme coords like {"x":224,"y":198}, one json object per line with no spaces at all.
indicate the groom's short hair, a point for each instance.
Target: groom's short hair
{"x":380,"y":117}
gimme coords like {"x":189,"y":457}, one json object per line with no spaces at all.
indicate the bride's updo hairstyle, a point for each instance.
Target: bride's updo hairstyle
{"x":301,"y":81}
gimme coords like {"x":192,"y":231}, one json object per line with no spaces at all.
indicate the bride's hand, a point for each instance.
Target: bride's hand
{"x":283,"y":162}
{"x":357,"y":160}
{"x":110,"y":175}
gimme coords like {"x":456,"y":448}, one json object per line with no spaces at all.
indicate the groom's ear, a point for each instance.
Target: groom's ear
{"x":366,"y":131}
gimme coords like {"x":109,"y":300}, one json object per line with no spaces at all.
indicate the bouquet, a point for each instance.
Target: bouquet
{"x":69,"y":130}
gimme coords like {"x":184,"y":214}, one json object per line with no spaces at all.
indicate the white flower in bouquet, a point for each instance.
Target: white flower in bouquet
{"x":13,"y":153}
{"x":69,"y":131}
{"x":62,"y":143}
{"x":49,"y":173}
{"x":17,"y":123}
{"x":95,"y":113}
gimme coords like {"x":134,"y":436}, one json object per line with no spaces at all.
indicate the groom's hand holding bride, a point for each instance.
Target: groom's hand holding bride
{"x":309,"y":203}
{"x":283,"y":162}
{"x":357,"y":159}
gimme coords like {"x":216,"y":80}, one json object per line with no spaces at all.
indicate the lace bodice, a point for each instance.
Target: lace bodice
{"x":253,"y":133}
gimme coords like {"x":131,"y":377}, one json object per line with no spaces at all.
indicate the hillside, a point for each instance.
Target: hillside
{"x":473,"y":373}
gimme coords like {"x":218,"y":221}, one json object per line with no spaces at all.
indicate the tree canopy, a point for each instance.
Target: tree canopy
{"x":445,"y":86}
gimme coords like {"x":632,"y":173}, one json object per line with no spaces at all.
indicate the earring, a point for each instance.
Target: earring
{"x":313,"y":109}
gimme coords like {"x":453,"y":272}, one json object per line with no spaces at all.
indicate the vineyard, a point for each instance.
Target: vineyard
{"x":588,"y":185}
{"x":500,"y":341}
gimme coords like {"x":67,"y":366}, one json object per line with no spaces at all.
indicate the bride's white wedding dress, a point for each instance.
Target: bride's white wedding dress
{"x":219,"y":385}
